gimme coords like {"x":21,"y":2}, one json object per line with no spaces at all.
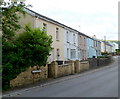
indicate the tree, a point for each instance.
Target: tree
{"x":36,"y":44}
{"x":10,"y":26}
{"x":10,"y":19}
{"x":30,"y":48}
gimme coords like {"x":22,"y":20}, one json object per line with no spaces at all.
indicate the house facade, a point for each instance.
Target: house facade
{"x":82,"y":45}
{"x":71,"y":50}
{"x":98,"y":48}
{"x":53,"y":28}
{"x":114,"y":46}
{"x":93,"y":47}
{"x":97,"y":45}
{"x":106,"y":47}
{"x":57,"y":33}
{"x":91,"y":51}
{"x":68,"y":44}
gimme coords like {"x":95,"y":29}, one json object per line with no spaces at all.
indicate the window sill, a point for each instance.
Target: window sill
{"x":57,"y":40}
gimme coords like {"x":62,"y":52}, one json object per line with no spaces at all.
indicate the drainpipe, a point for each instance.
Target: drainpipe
{"x":105,"y":42}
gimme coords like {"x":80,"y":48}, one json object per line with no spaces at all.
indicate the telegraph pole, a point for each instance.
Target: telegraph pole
{"x":105,"y":42}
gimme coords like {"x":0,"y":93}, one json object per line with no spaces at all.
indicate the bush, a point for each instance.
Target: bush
{"x":104,"y":56}
{"x":34,"y":46}
{"x":30,"y":48}
{"x":104,"y":53}
{"x":18,"y":53}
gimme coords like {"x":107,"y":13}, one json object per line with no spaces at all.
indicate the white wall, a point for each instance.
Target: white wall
{"x":115,"y":46}
{"x":70,"y":42}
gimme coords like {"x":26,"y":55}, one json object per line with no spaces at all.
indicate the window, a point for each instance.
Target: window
{"x":96,"y":43}
{"x":57,"y":53}
{"x":78,"y":53}
{"x":45,"y":27}
{"x":67,"y":53}
{"x":57,"y":33}
{"x":74,"y":38}
{"x":84,"y":41}
{"x":67,"y":36}
{"x":73,"y":53}
{"x":80,"y":41}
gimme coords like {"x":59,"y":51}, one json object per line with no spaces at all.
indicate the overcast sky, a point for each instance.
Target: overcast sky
{"x":92,"y":17}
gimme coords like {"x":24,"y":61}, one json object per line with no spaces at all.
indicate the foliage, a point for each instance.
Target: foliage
{"x":10,"y":19}
{"x":11,"y":63}
{"x":10,"y":57}
{"x":36,"y":45}
{"x":118,"y":51}
{"x":30,"y":48}
{"x":104,"y":53}
{"x":104,"y":56}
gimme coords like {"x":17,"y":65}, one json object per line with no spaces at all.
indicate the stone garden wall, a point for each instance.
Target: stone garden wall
{"x":27,"y":77}
{"x":54,"y":70}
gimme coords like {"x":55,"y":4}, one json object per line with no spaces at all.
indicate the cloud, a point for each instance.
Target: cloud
{"x":99,"y":17}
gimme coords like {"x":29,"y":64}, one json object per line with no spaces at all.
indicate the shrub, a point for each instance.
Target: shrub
{"x":104,"y":53}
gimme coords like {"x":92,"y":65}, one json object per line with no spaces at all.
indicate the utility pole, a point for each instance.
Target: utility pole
{"x":105,"y":42}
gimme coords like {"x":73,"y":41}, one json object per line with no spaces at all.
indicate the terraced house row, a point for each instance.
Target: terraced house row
{"x":68,"y":43}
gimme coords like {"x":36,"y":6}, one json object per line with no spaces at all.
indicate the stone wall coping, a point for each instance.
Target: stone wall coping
{"x":64,"y":65}
{"x":84,"y":62}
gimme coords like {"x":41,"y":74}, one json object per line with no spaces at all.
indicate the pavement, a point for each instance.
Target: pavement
{"x":101,"y":82}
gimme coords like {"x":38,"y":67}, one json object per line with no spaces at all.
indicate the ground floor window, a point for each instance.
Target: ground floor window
{"x":73,"y":53}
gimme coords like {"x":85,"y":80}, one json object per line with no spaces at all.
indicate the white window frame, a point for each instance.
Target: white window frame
{"x":67,"y":53}
{"x":45,"y":27}
{"x":74,"y":39}
{"x":57,"y":34}
{"x":67,"y":36}
{"x":73,"y":53}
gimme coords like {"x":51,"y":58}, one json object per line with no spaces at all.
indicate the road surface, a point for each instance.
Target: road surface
{"x":101,"y":83}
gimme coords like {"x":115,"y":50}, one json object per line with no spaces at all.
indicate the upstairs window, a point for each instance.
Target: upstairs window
{"x":74,"y":38}
{"x":67,"y":36}
{"x":45,"y":27}
{"x":96,"y":43}
{"x":84,"y":41}
{"x":57,"y":33}
{"x":80,"y":41}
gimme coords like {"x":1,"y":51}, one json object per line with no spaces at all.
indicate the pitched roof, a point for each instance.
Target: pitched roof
{"x":33,"y":13}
